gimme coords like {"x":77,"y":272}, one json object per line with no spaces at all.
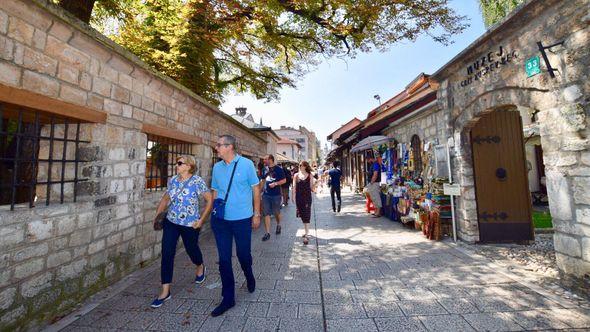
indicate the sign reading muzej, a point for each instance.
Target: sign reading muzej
{"x":487,"y":64}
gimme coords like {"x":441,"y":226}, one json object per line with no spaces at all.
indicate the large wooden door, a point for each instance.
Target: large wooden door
{"x":501,"y":183}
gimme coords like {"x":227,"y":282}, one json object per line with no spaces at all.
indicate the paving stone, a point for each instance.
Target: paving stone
{"x":176,"y":322}
{"x":399,"y":324}
{"x":257,"y":309}
{"x":497,"y":321}
{"x":211,"y":323}
{"x":537,"y":320}
{"x":446,"y":323}
{"x":299,"y":325}
{"x":283,"y":310}
{"x":195,"y":306}
{"x":458,"y":305}
{"x":344,"y":311}
{"x":303,"y":297}
{"x":310,"y":311}
{"x":414,"y":294}
{"x":142,"y":320}
{"x":353,"y":325}
{"x":337,"y":296}
{"x":422,"y":308}
{"x":271,"y":295}
{"x":576,"y":318}
{"x":233,"y":323}
{"x":261,"y":324}
{"x":390,"y":309}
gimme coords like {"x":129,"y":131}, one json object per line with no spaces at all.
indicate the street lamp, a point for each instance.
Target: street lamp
{"x":378,"y":99}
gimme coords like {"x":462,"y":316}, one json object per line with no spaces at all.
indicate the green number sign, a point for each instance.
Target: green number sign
{"x":532,"y":66}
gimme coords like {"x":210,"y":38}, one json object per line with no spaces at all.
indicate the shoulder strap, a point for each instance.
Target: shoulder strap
{"x":231,"y":179}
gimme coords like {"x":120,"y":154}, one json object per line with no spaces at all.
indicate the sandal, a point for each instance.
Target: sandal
{"x":305,"y":240}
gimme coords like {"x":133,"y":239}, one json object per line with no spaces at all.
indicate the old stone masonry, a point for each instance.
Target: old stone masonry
{"x":357,"y":274}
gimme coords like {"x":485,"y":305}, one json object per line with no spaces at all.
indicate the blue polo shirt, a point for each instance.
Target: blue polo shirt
{"x":239,"y":200}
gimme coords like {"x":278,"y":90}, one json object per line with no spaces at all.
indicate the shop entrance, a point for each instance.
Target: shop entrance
{"x":501,"y":183}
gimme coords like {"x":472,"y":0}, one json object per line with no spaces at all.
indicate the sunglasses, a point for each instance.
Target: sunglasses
{"x":180,"y":163}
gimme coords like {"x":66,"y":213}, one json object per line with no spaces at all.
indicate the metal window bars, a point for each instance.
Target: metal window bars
{"x":161,"y":154}
{"x":38,"y":159}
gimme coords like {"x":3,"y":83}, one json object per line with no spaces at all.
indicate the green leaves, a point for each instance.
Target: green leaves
{"x":215,"y":47}
{"x":494,"y":11}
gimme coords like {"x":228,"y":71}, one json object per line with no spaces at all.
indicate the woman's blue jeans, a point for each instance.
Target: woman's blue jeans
{"x":190,"y":238}
{"x":226,"y":231}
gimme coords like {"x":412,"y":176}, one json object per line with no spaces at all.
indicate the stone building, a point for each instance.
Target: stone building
{"x":535,"y":64}
{"x":306,"y":138}
{"x":88,"y":137}
{"x":242,"y":116}
{"x":514,"y":109}
{"x":290,"y":149}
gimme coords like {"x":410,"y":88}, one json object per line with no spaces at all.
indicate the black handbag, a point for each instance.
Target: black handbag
{"x":218,"y":203}
{"x":159,"y":219}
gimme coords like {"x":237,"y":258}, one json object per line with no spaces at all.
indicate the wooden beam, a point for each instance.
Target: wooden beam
{"x":170,"y":133}
{"x":39,"y":102}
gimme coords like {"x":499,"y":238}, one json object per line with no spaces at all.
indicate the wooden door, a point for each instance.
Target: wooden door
{"x":501,"y":183}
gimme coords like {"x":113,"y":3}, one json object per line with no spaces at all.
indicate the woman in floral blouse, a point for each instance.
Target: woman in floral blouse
{"x":182,"y":220}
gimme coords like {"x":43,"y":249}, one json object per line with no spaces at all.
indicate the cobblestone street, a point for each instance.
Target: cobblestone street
{"x":357,"y":274}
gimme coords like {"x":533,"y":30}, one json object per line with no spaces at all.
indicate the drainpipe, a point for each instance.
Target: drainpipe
{"x":449,"y":141}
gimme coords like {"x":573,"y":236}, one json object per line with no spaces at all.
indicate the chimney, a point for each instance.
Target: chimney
{"x":241,"y":111}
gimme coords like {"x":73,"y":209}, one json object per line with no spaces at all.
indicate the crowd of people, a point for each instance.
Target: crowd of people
{"x":240,"y":195}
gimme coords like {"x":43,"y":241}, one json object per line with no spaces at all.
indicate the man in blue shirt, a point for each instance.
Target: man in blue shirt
{"x":335,"y":175}
{"x":242,"y":214}
{"x":273,"y":178}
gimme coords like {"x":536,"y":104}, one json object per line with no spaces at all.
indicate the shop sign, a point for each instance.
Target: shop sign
{"x":490,"y":62}
{"x":532,"y":66}
{"x":452,"y":189}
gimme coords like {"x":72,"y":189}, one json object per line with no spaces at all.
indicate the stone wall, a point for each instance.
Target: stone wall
{"x":54,"y":256}
{"x":431,"y":125}
{"x":471,"y":84}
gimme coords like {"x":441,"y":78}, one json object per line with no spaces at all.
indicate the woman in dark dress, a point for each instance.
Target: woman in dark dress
{"x":302,"y":189}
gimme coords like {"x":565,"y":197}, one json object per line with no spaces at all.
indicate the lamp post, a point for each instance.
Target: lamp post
{"x":378,"y":99}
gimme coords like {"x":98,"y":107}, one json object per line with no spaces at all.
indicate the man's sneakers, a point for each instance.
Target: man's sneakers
{"x":278,"y":231}
{"x":222,"y":308}
{"x":266,"y":237}
{"x":158,"y":302}
{"x":201,"y":278}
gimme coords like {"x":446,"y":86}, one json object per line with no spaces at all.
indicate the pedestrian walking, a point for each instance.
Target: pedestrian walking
{"x":236,"y":193}
{"x":334,"y":181}
{"x":287,"y":185}
{"x":182,"y":220}
{"x":273,"y":179}
{"x":374,"y":184}
{"x":303,"y":186}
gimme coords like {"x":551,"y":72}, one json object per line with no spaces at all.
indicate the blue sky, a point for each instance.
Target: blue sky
{"x":337,"y":91}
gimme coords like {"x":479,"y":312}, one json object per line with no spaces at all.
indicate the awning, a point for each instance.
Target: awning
{"x":284,"y":159}
{"x":368,"y":142}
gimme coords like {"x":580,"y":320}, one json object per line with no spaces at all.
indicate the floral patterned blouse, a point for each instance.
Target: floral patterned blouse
{"x":184,"y":206}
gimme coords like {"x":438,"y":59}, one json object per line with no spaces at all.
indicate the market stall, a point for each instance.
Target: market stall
{"x":412,"y":180}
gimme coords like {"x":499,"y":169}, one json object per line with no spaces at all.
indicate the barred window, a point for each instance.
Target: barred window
{"x":38,"y":156}
{"x":161,"y":160}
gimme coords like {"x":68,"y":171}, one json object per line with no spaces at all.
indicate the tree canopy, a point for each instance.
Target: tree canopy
{"x":494,"y":11}
{"x":214,"y":47}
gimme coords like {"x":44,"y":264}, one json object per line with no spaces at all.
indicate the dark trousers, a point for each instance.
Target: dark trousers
{"x":226,"y":231}
{"x":190,"y":238}
{"x":335,"y":190}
